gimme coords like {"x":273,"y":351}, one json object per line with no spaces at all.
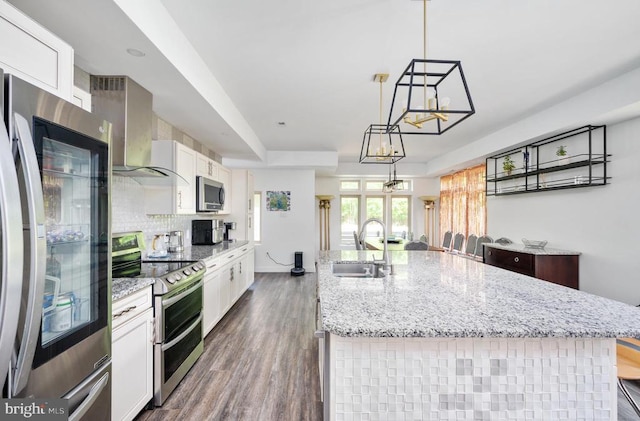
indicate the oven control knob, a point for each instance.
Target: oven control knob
{"x":170,"y":279}
{"x":188,"y":272}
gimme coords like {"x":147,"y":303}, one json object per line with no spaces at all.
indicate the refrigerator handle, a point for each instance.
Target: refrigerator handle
{"x":91,"y":398}
{"x":12,"y":253}
{"x":35,"y":231}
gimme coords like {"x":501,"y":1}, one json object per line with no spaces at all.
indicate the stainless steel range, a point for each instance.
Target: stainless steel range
{"x":177,"y":303}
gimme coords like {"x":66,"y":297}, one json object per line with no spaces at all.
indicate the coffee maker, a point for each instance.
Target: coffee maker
{"x":227,"y":227}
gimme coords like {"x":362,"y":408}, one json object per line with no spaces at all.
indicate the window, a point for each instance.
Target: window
{"x":257,"y":223}
{"x":364,"y":199}
{"x":374,"y":209}
{"x":400,"y":216}
{"x":374,"y":185}
{"x":349,"y":218}
{"x":350,"y":185}
{"x":462,"y":202}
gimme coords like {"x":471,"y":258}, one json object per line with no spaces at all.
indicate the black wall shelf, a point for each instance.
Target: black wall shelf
{"x":537,"y":166}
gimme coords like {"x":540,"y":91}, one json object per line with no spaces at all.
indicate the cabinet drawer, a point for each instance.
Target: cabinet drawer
{"x":130,"y":306}
{"x":213,"y":263}
{"x":510,"y":260}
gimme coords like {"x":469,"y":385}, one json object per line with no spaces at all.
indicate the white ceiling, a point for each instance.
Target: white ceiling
{"x":227,"y":71}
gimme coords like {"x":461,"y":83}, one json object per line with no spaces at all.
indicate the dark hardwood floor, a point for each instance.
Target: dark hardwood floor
{"x":260,"y":362}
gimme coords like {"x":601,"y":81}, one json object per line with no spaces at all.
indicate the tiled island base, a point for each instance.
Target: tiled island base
{"x":402,"y":379}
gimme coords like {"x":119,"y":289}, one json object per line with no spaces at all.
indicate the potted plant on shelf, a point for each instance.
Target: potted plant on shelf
{"x":508,"y":165}
{"x":561,"y":153}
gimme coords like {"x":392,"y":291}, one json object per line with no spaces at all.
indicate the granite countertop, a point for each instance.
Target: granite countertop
{"x":436,"y":294}
{"x":121,"y":287}
{"x":529,"y":250}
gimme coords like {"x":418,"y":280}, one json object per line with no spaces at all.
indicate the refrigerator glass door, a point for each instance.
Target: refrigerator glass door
{"x":75,"y":192}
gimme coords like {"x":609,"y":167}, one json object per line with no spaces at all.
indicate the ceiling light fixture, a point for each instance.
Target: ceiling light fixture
{"x":428,"y":88}
{"x":393,"y":184}
{"x":388,"y":150}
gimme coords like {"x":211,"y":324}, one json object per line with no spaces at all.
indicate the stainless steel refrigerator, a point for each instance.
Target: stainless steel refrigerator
{"x":58,"y":267}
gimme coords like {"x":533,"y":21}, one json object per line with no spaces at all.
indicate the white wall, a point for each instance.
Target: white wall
{"x":331,"y":186}
{"x":600,"y":222}
{"x":284,"y":233}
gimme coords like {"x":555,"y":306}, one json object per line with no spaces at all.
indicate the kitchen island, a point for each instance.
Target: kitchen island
{"x":446,"y":337}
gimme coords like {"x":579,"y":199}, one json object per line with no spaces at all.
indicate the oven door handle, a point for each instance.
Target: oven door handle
{"x":183,"y":334}
{"x":189,"y":290}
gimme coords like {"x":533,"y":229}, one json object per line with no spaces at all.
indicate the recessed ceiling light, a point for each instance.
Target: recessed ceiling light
{"x":282,"y":123}
{"x":136,"y":53}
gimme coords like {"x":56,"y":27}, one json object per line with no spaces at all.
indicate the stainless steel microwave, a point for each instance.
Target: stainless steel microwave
{"x":209,"y":195}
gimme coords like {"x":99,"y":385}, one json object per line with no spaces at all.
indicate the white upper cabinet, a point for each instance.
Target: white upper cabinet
{"x":31,"y":52}
{"x":206,"y":167}
{"x":224,"y":176}
{"x":179,"y":197}
{"x":242,"y":214}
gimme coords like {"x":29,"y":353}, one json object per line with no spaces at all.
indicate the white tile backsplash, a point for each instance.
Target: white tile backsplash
{"x":127,"y":204}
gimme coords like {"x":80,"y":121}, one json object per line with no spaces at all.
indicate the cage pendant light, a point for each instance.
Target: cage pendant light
{"x":393,"y":184}
{"x":431,"y":96}
{"x":382,"y":144}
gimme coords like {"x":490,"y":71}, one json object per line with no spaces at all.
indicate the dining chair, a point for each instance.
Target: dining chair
{"x":504,"y":241}
{"x":479,"y":248}
{"x":628,"y":362}
{"x":458,"y":240}
{"x":472,"y":240}
{"x":357,"y":240}
{"x":446,"y":242}
{"x":416,"y":245}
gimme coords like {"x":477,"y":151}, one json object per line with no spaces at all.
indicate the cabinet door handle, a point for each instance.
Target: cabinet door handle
{"x":180,"y":200}
{"x":516,"y":259}
{"x":115,"y":316}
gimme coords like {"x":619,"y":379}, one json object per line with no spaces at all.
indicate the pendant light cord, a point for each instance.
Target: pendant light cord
{"x":380,"y":134}
{"x":424,"y":52}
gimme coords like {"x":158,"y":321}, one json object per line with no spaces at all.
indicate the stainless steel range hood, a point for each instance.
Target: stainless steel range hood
{"x":128,"y":106}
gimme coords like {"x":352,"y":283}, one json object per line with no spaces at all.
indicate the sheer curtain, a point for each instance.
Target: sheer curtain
{"x":462,"y":202}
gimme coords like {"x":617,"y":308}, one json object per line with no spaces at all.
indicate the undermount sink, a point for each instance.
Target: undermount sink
{"x":354,"y":270}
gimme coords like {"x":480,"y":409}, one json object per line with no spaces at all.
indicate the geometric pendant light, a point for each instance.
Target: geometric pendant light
{"x":393,"y":184}
{"x":382,"y":144}
{"x":431,"y":96}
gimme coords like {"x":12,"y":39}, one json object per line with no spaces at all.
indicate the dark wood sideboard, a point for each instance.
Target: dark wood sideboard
{"x":559,"y":267}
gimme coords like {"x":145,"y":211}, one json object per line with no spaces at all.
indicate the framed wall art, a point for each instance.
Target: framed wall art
{"x":278,"y":201}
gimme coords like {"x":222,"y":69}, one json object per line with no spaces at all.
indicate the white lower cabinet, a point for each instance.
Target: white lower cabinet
{"x":249,"y":259}
{"x":226,"y":279}
{"x":227,"y":284}
{"x":132,"y":355}
{"x":211,"y":308}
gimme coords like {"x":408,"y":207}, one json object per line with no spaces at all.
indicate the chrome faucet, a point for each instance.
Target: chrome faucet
{"x":386,"y":263}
